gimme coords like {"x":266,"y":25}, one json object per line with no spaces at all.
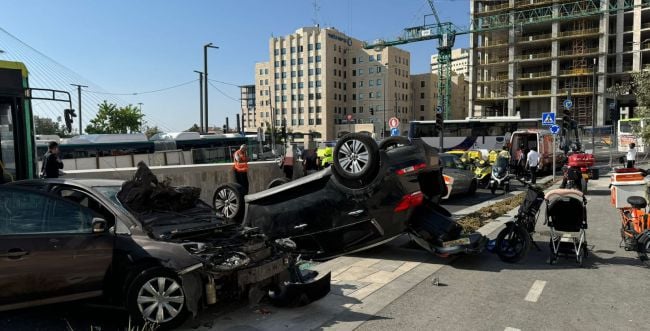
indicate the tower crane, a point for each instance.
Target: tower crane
{"x":445,"y":33}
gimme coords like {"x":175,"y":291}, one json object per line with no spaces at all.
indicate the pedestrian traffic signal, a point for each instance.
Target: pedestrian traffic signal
{"x":68,"y":114}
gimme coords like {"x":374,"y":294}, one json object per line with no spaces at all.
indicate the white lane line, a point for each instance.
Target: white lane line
{"x":535,"y":291}
{"x":511,"y":329}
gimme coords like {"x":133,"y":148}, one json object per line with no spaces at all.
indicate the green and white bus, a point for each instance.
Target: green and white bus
{"x":18,"y":151}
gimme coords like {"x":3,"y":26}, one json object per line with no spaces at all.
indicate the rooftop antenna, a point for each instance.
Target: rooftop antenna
{"x":316,"y":8}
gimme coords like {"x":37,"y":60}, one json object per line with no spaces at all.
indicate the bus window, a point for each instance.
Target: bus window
{"x":7,"y":153}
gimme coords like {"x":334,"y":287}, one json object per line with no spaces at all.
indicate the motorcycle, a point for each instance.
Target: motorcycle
{"x":482,"y":171}
{"x":500,"y":177}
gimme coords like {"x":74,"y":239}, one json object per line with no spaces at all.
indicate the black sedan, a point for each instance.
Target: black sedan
{"x":155,"y":249}
{"x":370,"y":195}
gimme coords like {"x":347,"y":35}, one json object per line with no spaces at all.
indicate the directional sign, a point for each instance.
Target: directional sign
{"x":439,"y":109}
{"x":548,"y":118}
{"x":568,"y":104}
{"x":393,"y":122}
{"x":555,"y":129}
{"x":394,"y":132}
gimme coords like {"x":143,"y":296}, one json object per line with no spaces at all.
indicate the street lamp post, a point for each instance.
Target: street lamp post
{"x":205,"y":83}
{"x":593,"y":106}
{"x":200,"y":99}
{"x":383,"y":132}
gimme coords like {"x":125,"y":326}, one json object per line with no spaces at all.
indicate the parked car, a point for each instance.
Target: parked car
{"x":156,"y":250}
{"x":366,"y":198}
{"x":462,"y":180}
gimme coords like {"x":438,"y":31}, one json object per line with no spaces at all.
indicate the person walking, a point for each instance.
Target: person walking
{"x":51,"y":162}
{"x":631,"y":156}
{"x":240,"y":167}
{"x":310,"y":161}
{"x":519,"y":162}
{"x":532,"y":162}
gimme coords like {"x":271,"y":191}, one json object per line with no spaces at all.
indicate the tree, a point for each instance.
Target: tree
{"x":151,"y":131}
{"x":194,"y":128}
{"x":46,"y":126}
{"x":641,"y":88}
{"x":113,"y":119}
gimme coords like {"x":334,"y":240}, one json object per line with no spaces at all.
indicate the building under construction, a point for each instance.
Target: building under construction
{"x":528,"y":56}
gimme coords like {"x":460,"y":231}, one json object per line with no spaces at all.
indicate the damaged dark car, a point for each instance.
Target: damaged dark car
{"x":371,"y":194}
{"x":153,"y":248}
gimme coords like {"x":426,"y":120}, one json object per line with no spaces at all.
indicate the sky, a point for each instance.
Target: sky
{"x":127,"y":46}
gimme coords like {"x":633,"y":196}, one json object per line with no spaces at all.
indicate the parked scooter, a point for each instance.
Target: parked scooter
{"x":482,"y":172}
{"x":500,"y":178}
{"x":635,"y":226}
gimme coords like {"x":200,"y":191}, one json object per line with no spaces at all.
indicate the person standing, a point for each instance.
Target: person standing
{"x":287,"y":163}
{"x":240,"y":167}
{"x":631,"y":156}
{"x":310,"y":161}
{"x":519,"y":162}
{"x":532,"y":162}
{"x":51,"y":162}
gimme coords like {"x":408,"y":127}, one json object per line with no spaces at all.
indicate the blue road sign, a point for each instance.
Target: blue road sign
{"x":548,"y":118}
{"x":555,"y":129}
{"x":439,"y":109}
{"x":568,"y":104}
{"x":394,"y":132}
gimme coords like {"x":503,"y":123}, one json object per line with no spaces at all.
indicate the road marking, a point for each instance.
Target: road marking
{"x":535,"y":291}
{"x":511,"y":329}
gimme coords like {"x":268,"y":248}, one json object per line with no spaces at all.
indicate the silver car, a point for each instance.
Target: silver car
{"x":462,"y":179}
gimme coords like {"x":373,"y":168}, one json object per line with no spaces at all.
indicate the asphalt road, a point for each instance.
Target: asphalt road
{"x":483,"y":293}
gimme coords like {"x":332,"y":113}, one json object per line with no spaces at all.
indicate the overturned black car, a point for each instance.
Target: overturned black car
{"x":370,"y":195}
{"x":156,"y":249}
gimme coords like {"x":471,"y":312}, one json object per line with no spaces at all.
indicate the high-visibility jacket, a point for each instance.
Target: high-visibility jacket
{"x":241,"y":161}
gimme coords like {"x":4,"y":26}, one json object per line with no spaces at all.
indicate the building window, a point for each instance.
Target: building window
{"x":317,"y":45}
{"x":293,"y":86}
{"x":293,"y":73}
{"x":354,"y":96}
{"x":301,"y":122}
{"x":301,"y":110}
{"x":266,"y":82}
{"x":300,"y":60}
{"x":354,"y":60}
{"x":370,"y":95}
{"x":318,"y":96}
{"x":277,"y":64}
{"x":293,"y":110}
{"x":360,"y":72}
{"x":284,"y":51}
{"x":310,"y":47}
{"x":421,"y":107}
{"x":318,"y":121}
{"x":293,"y":62}
{"x":335,"y":73}
{"x":318,"y":109}
{"x":421,"y":95}
{"x":284,"y":86}
{"x":301,"y":97}
{"x":311,"y":96}
{"x":371,"y":70}
{"x":360,"y":59}
{"x":378,"y":57}
{"x":284,"y":75}
{"x":371,"y":58}
{"x":318,"y":71}
{"x":293,"y":49}
{"x":301,"y":84}
{"x":283,"y":63}
{"x":277,"y":75}
{"x":360,"y":96}
{"x":310,"y":59}
{"x":266,"y":71}
{"x":354,"y":110}
{"x":378,"y":94}
{"x":311,"y":121}
{"x":318,"y":84}
{"x":371,"y":83}
{"x":354,"y":84}
{"x":294,"y":121}
{"x":311,"y":83}
{"x":310,"y":72}
{"x":345,"y":62}
{"x":276,"y":52}
{"x":300,"y":73}
{"x":378,"y":82}
{"x":317,"y":58}
{"x":345,"y":86}
{"x":277,"y":86}
{"x":300,"y":49}
{"x":421,"y":118}
{"x":311,"y":109}
{"x":354,"y":72}
{"x":360,"y":83}
{"x":284,"y":98}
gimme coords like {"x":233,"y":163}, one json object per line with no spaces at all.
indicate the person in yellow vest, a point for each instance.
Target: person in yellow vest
{"x":240,"y":167}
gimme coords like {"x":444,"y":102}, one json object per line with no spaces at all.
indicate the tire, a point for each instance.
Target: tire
{"x":277,"y":182}
{"x":513,"y":243}
{"x":392,"y":142}
{"x":142,"y":299}
{"x":473,"y":187}
{"x":356,"y":157}
{"x":228,"y":200}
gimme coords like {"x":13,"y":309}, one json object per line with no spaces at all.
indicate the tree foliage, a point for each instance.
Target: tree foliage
{"x":641,"y":88}
{"x":113,"y":119}
{"x":194,"y":128}
{"x":44,"y":125}
{"x":151,"y":131}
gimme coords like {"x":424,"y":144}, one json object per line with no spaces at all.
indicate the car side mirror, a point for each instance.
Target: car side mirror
{"x":99,"y":225}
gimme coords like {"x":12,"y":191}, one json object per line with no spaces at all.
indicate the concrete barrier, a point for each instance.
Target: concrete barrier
{"x":205,"y":176}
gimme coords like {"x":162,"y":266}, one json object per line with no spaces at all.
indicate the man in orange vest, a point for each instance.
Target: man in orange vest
{"x":241,"y":167}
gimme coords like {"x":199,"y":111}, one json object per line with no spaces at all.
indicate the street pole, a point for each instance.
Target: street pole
{"x":79,"y":106}
{"x":205,"y":83}
{"x":272,"y":124}
{"x":200,"y":99}
{"x":383,"y":131}
{"x":554,"y":150}
{"x":593,"y":108}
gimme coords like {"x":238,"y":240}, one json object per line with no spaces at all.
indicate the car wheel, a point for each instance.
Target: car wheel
{"x":228,"y":201}
{"x":356,"y":157}
{"x":156,"y":296}
{"x":393,"y":142}
{"x":473,"y":187}
{"x":277,"y":182}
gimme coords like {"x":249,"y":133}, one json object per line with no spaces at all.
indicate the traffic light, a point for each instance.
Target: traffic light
{"x":68,"y":114}
{"x":566,"y":121}
{"x":439,"y":121}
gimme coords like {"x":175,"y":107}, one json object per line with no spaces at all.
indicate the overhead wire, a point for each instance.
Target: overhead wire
{"x":223,"y":93}
{"x":144,"y":92}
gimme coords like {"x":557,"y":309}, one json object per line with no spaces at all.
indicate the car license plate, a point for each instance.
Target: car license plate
{"x":457,"y":242}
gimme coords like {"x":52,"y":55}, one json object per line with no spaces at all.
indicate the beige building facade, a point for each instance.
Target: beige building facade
{"x":459,"y":62}
{"x":425,"y":97}
{"x":317,"y":78}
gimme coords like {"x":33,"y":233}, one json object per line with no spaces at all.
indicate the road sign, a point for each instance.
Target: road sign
{"x":555,"y":129}
{"x":548,"y":118}
{"x":439,"y":109}
{"x":394,"y":132}
{"x":568,"y":104}
{"x":349,"y":117}
{"x":393,"y":122}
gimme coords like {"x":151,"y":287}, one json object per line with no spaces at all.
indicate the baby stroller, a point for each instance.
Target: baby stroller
{"x":566,"y":216}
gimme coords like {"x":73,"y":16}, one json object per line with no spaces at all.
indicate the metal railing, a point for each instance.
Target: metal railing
{"x":533,"y":93}
{"x":577,"y":71}
{"x":533,"y":56}
{"x":530,"y":75}
{"x":574,"y":33}
{"x":534,"y":37}
{"x":585,"y":52}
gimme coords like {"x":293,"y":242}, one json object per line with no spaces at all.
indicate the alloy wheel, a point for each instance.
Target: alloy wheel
{"x":226,"y":202}
{"x":160,"y":299}
{"x":353,"y":156}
